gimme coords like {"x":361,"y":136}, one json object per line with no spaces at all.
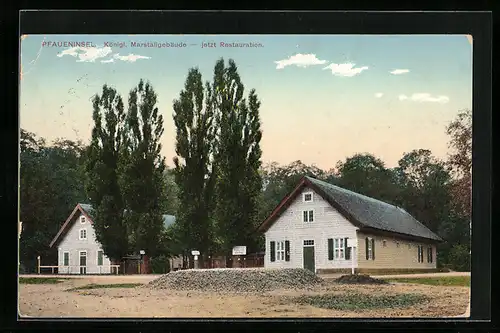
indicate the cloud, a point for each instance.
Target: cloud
{"x":300,"y":60}
{"x":425,"y":97}
{"x":86,"y":54}
{"x":346,"y":70}
{"x":108,"y":61}
{"x":400,"y":71}
{"x":130,"y":58}
{"x":378,"y":95}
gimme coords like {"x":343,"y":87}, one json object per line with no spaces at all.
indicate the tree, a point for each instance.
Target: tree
{"x":368,"y":175}
{"x":141,"y":170}
{"x":102,"y":167}
{"x":460,"y":131}
{"x":238,"y":157}
{"x":426,"y":187}
{"x":51,"y":181}
{"x":170,"y":201}
{"x":194,"y":167}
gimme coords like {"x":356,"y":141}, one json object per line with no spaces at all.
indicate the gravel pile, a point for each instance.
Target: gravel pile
{"x":359,"y":279}
{"x":237,"y":279}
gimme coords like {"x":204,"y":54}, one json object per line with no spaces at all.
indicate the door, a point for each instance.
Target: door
{"x":83,"y":262}
{"x":308,"y":254}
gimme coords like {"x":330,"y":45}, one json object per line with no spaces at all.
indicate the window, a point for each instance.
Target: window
{"x":429,"y":254}
{"x":83,"y":234}
{"x":66,"y":259}
{"x":384,"y":243}
{"x":308,"y":197}
{"x":82,"y":219}
{"x":308,"y":216}
{"x":100,"y":257}
{"x":370,"y":248}
{"x":280,"y":251}
{"x":338,"y":248}
{"x":309,"y":242}
{"x":420,"y":253}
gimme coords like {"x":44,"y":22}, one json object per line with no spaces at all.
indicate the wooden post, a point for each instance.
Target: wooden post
{"x":353,"y":253}
{"x":38,"y":264}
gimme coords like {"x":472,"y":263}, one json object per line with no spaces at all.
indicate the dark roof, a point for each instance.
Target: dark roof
{"x":364,"y":212}
{"x":88,"y":210}
{"x":168,"y":220}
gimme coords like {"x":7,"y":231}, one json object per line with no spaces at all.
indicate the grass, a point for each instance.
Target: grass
{"x":37,"y":280}
{"x":106,"y":286}
{"x":354,"y":301}
{"x":462,"y":281}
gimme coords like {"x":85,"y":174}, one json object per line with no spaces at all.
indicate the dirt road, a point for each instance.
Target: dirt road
{"x":55,"y":300}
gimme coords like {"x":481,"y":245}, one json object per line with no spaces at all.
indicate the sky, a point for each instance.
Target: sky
{"x":324,"y":97}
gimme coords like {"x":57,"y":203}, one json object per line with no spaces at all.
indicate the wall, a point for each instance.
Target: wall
{"x":393,"y":257}
{"x":328,"y":223}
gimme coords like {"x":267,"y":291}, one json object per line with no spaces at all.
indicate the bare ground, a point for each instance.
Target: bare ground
{"x":53,"y":300}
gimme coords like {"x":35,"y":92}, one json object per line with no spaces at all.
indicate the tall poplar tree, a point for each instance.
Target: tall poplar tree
{"x":194,"y":173}
{"x":238,"y":159}
{"x":142,"y":168}
{"x":102,"y":165}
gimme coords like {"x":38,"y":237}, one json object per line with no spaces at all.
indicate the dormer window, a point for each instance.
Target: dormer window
{"x":83,"y":219}
{"x":308,"y":197}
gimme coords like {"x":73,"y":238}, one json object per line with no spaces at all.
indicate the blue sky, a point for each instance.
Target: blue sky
{"x":335,"y":96}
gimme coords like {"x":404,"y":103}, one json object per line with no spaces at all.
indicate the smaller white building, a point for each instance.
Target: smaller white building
{"x":78,"y":250}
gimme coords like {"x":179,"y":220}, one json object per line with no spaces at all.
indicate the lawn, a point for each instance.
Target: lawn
{"x":448,"y":281}
{"x":355,"y":301}
{"x":37,"y":280}
{"x":105,"y":286}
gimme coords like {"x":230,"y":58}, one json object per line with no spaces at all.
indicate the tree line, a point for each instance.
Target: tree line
{"x":217,"y":188}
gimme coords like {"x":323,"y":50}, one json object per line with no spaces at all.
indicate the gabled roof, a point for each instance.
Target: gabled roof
{"x":368,"y":214}
{"x":88,"y":211}
{"x":79,"y":208}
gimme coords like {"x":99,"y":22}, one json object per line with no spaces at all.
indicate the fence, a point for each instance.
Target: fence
{"x":248,"y":261}
{"x":66,"y":269}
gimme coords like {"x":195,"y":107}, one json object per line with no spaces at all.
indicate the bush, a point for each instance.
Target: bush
{"x":160,"y":265}
{"x":459,"y":258}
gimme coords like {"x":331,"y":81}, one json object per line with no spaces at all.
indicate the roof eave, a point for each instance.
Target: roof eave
{"x":371,"y":230}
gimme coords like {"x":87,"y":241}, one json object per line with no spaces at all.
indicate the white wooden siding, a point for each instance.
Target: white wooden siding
{"x":328,"y":223}
{"x":73,"y":244}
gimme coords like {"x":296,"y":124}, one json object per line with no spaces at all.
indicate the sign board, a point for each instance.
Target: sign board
{"x":195,"y":257}
{"x":142,"y":252}
{"x":195,"y":253}
{"x":239,"y":250}
{"x":352,"y":242}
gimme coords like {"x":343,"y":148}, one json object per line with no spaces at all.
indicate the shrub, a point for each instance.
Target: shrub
{"x":160,"y":265}
{"x":459,"y":258}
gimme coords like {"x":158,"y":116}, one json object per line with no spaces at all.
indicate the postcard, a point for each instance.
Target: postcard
{"x":239,"y":176}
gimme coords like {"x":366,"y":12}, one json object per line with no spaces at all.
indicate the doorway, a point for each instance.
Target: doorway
{"x":308,"y":255}
{"x":83,"y":262}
